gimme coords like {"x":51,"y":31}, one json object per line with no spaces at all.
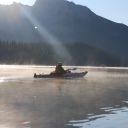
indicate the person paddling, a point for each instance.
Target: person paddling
{"x":59,"y":69}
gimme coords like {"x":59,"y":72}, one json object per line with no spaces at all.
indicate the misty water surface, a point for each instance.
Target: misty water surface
{"x":99,"y":100}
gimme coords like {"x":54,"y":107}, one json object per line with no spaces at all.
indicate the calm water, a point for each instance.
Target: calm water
{"x":99,"y":100}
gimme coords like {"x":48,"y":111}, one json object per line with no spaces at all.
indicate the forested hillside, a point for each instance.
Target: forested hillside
{"x":43,"y":53}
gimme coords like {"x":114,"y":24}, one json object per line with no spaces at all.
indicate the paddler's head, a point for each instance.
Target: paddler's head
{"x":59,"y":64}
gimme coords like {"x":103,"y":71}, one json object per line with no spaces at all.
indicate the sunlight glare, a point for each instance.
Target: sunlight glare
{"x":56,"y":45}
{"x":7,"y":2}
{"x":3,"y":126}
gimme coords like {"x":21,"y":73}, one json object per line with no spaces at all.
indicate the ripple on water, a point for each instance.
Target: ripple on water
{"x":27,"y":124}
{"x":117,"y":118}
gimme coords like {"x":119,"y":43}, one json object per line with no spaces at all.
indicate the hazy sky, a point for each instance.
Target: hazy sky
{"x":115,"y":10}
{"x":30,"y":2}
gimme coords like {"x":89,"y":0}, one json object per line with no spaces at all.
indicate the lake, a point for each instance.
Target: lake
{"x":99,"y":100}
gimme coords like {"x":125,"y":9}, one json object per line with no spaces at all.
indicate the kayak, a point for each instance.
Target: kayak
{"x":65,"y":75}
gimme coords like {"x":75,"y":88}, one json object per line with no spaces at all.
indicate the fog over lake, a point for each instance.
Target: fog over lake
{"x":99,"y":100}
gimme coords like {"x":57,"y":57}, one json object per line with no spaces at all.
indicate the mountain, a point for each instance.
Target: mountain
{"x":62,"y":21}
{"x":75,"y":23}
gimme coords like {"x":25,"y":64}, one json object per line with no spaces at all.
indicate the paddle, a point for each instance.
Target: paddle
{"x":71,"y":69}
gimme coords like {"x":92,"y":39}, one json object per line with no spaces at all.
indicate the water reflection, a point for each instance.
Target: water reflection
{"x":27,"y":124}
{"x":4,"y":126}
{"x":2,"y":80}
{"x":117,"y":117}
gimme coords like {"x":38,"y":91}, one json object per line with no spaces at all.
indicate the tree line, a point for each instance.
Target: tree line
{"x":44,"y":53}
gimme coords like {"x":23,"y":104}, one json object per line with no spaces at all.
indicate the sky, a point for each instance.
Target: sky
{"x":115,"y":10}
{"x":27,"y":2}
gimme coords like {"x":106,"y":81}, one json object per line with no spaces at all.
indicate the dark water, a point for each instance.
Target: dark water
{"x":99,"y":100}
